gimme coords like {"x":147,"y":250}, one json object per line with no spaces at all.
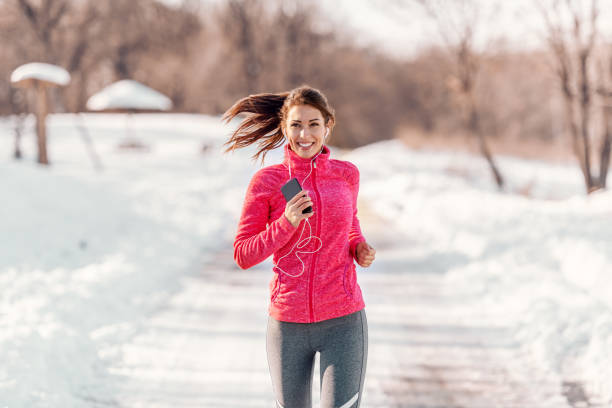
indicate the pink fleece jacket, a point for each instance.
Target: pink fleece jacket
{"x":326,"y":285}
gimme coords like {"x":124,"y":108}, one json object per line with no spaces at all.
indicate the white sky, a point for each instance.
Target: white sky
{"x":403,"y":31}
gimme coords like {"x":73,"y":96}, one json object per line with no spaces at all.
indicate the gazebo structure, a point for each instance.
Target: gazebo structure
{"x":129,"y":96}
{"x":40,"y":76}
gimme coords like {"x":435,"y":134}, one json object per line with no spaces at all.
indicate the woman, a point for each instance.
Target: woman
{"x":316,"y":304}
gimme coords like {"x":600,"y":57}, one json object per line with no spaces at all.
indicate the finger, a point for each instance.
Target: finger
{"x":306,"y":202}
{"x":303,"y":200}
{"x":297,"y":208}
{"x":302,"y":207}
{"x":364,"y":260}
{"x":297,"y":197}
{"x":367,"y":255}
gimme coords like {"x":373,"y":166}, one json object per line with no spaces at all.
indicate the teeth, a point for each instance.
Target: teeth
{"x":305,"y":144}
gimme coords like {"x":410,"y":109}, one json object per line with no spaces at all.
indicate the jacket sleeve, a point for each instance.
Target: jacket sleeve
{"x":255,"y":239}
{"x":355,"y":235}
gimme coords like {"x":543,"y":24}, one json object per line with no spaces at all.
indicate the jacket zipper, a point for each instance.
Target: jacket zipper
{"x":314,"y":256}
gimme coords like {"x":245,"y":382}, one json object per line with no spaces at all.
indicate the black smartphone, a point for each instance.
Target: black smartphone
{"x":290,"y":189}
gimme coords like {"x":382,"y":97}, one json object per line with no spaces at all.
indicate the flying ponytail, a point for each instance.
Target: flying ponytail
{"x":264,"y":115}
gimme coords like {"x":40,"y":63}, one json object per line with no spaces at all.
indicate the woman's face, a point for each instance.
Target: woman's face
{"x":305,"y":130}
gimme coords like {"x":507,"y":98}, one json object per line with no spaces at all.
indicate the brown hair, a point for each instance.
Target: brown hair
{"x":266,"y":114}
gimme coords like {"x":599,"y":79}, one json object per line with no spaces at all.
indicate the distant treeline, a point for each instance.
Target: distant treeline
{"x":206,"y":57}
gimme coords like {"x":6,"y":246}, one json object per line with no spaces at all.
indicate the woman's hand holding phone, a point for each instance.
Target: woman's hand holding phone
{"x":295,"y":206}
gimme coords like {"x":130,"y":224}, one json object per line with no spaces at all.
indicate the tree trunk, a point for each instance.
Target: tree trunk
{"x":18,"y":129}
{"x":585,"y":108}
{"x":474,"y":126}
{"x":17,"y":109}
{"x":575,"y":135}
{"x":604,"y":163}
{"x":41,"y":115}
{"x":122,"y":70}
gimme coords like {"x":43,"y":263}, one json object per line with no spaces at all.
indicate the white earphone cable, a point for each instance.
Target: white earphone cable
{"x":301,"y":243}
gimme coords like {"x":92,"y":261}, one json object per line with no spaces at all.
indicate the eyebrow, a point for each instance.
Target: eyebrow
{"x":297,"y":120}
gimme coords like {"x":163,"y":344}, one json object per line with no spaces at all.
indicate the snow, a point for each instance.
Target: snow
{"x":41,"y":71}
{"x":89,"y":259}
{"x":128,"y":94}
{"x":543,"y":261}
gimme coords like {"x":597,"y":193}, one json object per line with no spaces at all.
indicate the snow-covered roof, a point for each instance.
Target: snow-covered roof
{"x":128,"y":94}
{"x":41,"y":71}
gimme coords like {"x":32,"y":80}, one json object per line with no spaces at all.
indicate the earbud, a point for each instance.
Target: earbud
{"x":326,"y":132}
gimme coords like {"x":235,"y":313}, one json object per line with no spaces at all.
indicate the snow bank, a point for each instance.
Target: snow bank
{"x":543,"y":260}
{"x":87,"y":256}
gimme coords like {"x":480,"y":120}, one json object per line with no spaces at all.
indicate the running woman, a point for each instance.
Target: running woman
{"x":316,"y":304}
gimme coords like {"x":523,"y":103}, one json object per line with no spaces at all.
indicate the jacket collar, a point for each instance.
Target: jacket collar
{"x":299,"y":164}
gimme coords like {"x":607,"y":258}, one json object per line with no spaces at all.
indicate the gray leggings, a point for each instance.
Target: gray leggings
{"x":342,"y":344}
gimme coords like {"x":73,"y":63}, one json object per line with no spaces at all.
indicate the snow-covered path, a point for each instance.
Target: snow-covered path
{"x":429,"y":345}
{"x":201,"y":349}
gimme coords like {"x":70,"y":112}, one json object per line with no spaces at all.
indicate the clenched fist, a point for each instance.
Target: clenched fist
{"x":364,"y":254}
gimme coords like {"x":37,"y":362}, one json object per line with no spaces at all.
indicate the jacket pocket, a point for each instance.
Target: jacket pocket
{"x":348,"y":280}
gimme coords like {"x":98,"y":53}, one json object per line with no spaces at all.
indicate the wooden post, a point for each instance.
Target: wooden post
{"x":41,"y":116}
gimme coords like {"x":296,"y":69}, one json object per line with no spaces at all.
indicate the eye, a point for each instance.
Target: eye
{"x":295,"y":125}
{"x":314,"y":124}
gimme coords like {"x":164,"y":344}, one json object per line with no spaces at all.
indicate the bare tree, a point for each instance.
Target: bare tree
{"x":239,"y":21}
{"x":44,"y":19}
{"x":457,"y":24}
{"x":299,"y":45}
{"x":139,"y":27}
{"x":17,"y":102}
{"x":605,"y":92}
{"x":572,"y":32}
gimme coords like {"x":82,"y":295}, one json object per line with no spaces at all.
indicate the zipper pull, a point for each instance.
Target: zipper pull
{"x":315,"y":163}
